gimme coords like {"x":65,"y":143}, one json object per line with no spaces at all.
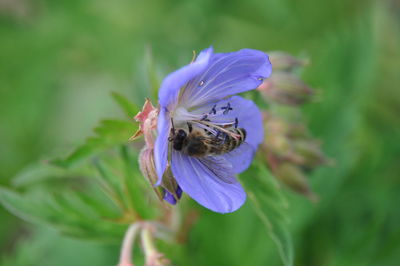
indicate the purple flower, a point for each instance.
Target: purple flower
{"x":199,"y":96}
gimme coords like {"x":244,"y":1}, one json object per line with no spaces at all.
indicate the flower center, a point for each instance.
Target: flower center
{"x":181,"y":115}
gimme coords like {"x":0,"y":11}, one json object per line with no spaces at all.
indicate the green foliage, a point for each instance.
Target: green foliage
{"x":74,"y":202}
{"x":109,"y":134}
{"x":272,"y":208}
{"x":88,"y":202}
{"x":95,"y":199}
{"x":47,"y":248}
{"x":129,"y":108}
{"x":60,"y":59}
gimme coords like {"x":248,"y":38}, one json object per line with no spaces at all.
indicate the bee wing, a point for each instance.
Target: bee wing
{"x":241,"y":157}
{"x":220,"y":167}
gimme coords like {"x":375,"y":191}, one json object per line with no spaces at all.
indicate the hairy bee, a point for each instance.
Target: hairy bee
{"x":200,"y":142}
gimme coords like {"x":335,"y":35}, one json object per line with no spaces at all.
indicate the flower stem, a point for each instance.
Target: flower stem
{"x":152,"y":256}
{"x":127,"y":245}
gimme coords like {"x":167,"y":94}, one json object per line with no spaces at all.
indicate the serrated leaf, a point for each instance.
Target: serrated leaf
{"x":77,"y":205}
{"x":130,"y":109}
{"x":109,"y":133}
{"x":80,"y":214}
{"x":90,"y":202}
{"x":135,"y":182}
{"x":112,"y":184}
{"x":18,"y":205}
{"x":36,"y":173}
{"x":125,"y":184}
{"x":270,"y":205}
{"x":82,"y":152}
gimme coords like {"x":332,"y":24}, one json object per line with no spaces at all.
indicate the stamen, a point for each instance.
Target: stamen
{"x":213,"y":110}
{"x":227,"y":108}
{"x":211,"y":125}
{"x":207,"y":128}
{"x":204,"y":117}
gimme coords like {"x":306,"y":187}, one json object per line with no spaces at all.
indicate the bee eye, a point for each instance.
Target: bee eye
{"x":182,"y":134}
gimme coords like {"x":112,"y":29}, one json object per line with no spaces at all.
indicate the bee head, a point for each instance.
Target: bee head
{"x":178,"y":139}
{"x":181,"y":134}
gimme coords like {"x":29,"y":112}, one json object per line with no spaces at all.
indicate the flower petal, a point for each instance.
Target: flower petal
{"x":167,"y":95}
{"x":240,"y":158}
{"x":227,"y":74}
{"x":161,"y":145}
{"x":249,"y":117}
{"x":199,"y":182}
{"x":171,"y":85}
{"x":169,"y":197}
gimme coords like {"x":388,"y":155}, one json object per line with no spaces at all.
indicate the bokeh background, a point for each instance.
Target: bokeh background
{"x":59,"y":61}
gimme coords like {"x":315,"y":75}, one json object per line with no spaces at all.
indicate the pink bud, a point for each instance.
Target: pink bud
{"x":310,"y":153}
{"x":148,"y":122}
{"x":148,"y":169}
{"x":282,"y":61}
{"x":293,"y":177}
{"x":285,"y":88}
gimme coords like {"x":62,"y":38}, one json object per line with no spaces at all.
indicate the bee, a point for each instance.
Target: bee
{"x":199,"y":142}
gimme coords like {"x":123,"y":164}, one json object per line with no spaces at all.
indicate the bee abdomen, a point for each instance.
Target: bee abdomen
{"x":232,"y":142}
{"x":242,"y":135}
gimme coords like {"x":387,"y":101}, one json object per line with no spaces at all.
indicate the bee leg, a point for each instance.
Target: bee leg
{"x":190,"y":127}
{"x":173,"y":127}
{"x":225,"y":137}
{"x":236,"y":122}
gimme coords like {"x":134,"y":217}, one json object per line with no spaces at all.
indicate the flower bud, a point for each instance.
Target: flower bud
{"x":285,"y":88}
{"x":152,"y":256}
{"x":148,"y":169}
{"x":275,"y":125}
{"x":282,"y":61}
{"x":148,"y":123}
{"x":293,"y":177}
{"x":278,"y":145}
{"x":310,"y":153}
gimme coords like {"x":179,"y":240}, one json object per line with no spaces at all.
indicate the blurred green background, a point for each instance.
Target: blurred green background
{"x":59,"y":61}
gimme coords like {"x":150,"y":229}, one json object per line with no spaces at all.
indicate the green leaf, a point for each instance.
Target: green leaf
{"x":109,"y":133}
{"x":87,"y":213}
{"x":270,"y":205}
{"x":124,"y":184}
{"x":19,"y":206}
{"x":130,"y":109}
{"x":95,"y":200}
{"x":36,"y":173}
